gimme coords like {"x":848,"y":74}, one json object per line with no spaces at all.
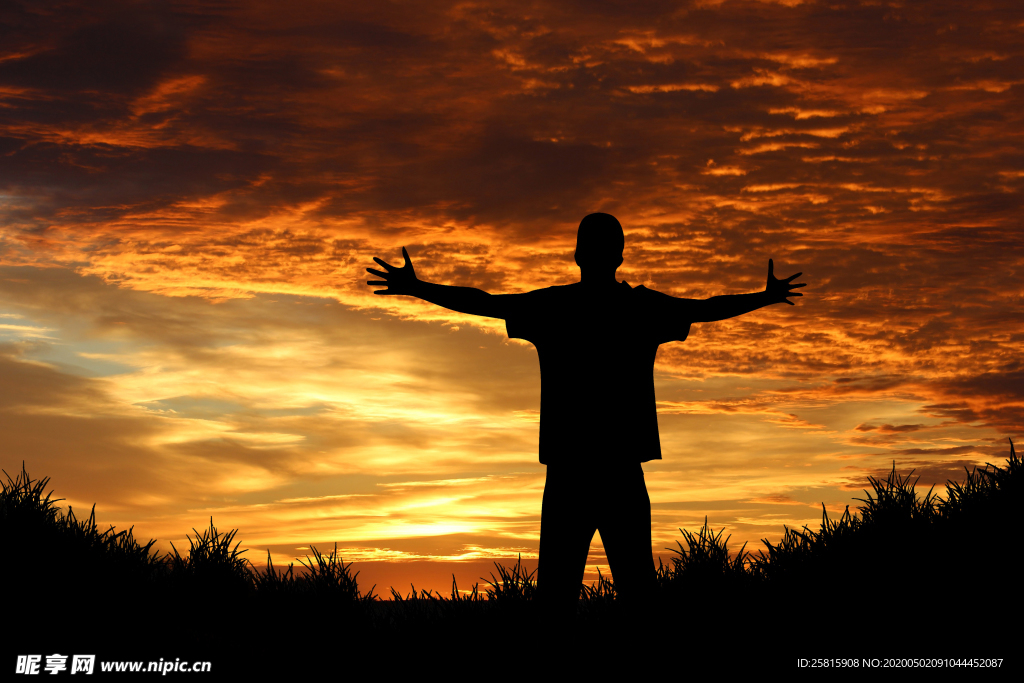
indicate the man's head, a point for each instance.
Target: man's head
{"x":599,"y":243}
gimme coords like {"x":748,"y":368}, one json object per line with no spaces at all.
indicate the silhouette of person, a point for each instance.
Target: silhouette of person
{"x":596,"y":341}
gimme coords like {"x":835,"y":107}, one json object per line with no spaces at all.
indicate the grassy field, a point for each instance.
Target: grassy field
{"x":905,"y":575}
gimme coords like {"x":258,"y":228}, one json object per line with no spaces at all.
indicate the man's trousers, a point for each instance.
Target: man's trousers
{"x":577,"y":503}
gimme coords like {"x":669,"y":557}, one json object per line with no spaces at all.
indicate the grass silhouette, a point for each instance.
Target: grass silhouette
{"x":874,"y":575}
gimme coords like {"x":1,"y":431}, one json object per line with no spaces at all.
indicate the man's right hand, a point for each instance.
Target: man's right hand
{"x":462,"y":299}
{"x":397,"y":280}
{"x":777,"y":290}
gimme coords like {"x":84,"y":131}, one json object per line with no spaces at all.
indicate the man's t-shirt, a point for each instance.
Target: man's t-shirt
{"x":596,"y":353}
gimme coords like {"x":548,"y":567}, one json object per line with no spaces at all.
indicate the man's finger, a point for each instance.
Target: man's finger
{"x":799,"y":284}
{"x":771,"y":268}
{"x":793,"y":277}
{"x":405,"y":255}
{"x":371,"y":271}
{"x":382,"y":263}
{"x":376,"y":282}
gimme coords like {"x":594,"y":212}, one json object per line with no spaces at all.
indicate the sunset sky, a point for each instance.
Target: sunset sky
{"x":190,"y":193}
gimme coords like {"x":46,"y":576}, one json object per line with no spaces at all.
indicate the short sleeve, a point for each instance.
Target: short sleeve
{"x":522,"y":314}
{"x":664,"y":316}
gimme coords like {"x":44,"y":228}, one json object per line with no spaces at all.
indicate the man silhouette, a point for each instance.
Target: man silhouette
{"x":596,"y":340}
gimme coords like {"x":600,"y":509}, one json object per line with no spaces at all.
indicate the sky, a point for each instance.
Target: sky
{"x":190,"y":193}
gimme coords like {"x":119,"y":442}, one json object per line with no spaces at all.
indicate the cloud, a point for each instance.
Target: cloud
{"x":889,"y":429}
{"x":189,"y":198}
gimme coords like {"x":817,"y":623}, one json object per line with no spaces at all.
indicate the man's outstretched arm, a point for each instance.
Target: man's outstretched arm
{"x":403,"y":281}
{"x":731,"y":305}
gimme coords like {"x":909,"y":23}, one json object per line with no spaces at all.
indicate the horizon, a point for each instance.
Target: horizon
{"x":189,"y":198}
{"x":883,"y":510}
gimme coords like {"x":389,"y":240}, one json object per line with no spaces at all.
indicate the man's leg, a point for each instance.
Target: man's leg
{"x":625,"y":526}
{"x":567,"y":526}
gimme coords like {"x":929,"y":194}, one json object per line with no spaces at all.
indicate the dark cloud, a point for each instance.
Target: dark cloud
{"x":69,"y":47}
{"x":1004,"y":385}
{"x":889,"y":429}
{"x":489,"y":116}
{"x":925,"y":474}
